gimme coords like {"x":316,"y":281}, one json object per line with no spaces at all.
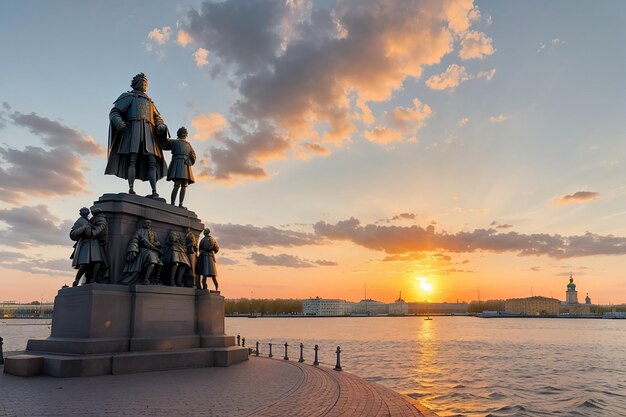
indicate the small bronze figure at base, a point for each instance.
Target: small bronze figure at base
{"x":143,"y":254}
{"x":89,"y":256}
{"x":191,"y":245}
{"x":183,"y":157}
{"x":206,"y":261}
{"x":176,"y":257}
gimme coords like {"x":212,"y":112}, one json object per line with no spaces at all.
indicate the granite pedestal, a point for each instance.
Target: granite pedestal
{"x":100,"y":329}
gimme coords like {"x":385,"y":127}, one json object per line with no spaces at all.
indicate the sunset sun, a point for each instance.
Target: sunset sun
{"x":424,"y":285}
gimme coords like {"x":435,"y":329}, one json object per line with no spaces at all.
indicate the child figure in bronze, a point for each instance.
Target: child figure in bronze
{"x":183,"y":157}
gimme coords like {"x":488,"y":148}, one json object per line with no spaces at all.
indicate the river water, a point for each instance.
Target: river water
{"x":456,"y":366}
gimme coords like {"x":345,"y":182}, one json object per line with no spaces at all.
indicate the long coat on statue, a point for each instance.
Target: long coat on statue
{"x":183,"y":157}
{"x":139,"y":113}
{"x":206,"y":261}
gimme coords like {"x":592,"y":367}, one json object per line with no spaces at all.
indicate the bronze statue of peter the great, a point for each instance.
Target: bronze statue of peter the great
{"x":137,"y":137}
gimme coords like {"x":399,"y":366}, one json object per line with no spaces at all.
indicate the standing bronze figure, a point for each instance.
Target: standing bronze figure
{"x":78,"y":233}
{"x":176,"y":257}
{"x":191,"y":245}
{"x":90,"y":256}
{"x":137,"y":137}
{"x":183,"y":157}
{"x":206,"y":261}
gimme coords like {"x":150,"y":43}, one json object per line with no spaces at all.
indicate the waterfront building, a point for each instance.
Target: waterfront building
{"x":571,"y":295}
{"x":326,"y":307}
{"x":14,"y":310}
{"x":399,"y":308}
{"x":438,"y":308}
{"x":532,"y":306}
{"x":571,"y":305}
{"x":370,"y":307}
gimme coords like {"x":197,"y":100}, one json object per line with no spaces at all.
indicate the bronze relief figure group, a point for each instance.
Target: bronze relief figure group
{"x":145,"y":259}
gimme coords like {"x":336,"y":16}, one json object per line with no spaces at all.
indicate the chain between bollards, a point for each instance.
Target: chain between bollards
{"x":338,"y":365}
{"x":315,"y":361}
{"x":1,"y":354}
{"x":286,"y":357}
{"x":301,"y":353}
{"x":270,"y":355}
{"x":257,"y":349}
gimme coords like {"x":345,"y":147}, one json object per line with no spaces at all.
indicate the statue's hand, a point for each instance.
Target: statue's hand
{"x":131,"y":256}
{"x":121,"y":126}
{"x":160,"y":129}
{"x":88,"y":231}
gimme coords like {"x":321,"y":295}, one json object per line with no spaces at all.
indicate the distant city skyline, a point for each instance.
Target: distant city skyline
{"x":402,"y":144}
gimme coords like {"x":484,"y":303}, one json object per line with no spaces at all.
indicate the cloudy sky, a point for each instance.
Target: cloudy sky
{"x":341,"y":142}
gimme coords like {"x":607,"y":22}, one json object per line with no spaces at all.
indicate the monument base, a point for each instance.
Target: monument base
{"x":100,"y":329}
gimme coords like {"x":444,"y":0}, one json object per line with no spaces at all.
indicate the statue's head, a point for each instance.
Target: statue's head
{"x":140,"y":82}
{"x":174,"y":235}
{"x":182,"y":133}
{"x":206,"y":231}
{"x":84,"y":212}
{"x":147,"y":224}
{"x":95,"y":211}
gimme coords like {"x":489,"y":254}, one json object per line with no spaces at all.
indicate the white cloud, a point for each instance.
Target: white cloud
{"x":383,"y":135}
{"x":183,"y":38}
{"x":475,"y":45}
{"x":207,"y":125}
{"x":201,"y":56}
{"x":451,"y":78}
{"x":552,"y":44}
{"x":160,"y":36}
{"x":498,"y":119}
{"x":488,"y":75}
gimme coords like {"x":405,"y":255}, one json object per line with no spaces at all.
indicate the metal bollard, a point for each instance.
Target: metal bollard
{"x":243,"y":342}
{"x":1,"y":354}
{"x":338,"y":365}
{"x":315,"y":361}
{"x":270,"y":355}
{"x":301,"y":353}
{"x":257,"y":349}
{"x":238,"y":340}
{"x":286,"y":358}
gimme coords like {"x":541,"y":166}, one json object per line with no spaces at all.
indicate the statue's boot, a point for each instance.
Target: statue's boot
{"x":215,"y":283}
{"x":146,"y":278}
{"x":131,"y":177}
{"x":174,"y":194}
{"x":173,"y":275}
{"x":179,"y":275}
{"x":204,"y":286}
{"x":153,"y":180}
{"x":182,"y":197}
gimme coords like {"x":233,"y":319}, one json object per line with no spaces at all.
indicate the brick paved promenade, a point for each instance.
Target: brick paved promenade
{"x":258,"y":387}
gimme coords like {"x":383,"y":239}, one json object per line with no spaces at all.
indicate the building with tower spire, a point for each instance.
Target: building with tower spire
{"x":571,"y":295}
{"x":571,"y":304}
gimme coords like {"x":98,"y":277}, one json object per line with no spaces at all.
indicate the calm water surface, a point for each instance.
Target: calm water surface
{"x":457,"y":366}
